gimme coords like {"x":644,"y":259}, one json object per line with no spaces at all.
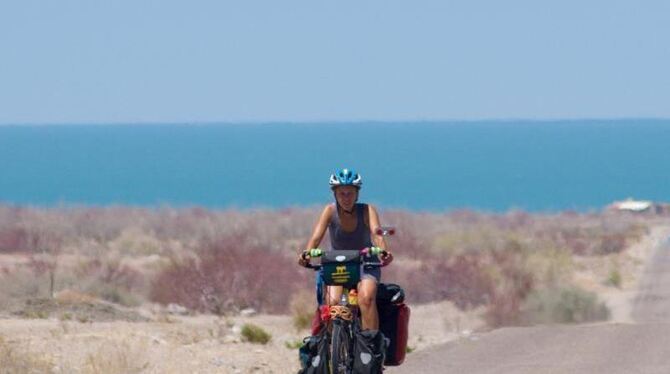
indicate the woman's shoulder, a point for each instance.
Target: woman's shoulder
{"x":329,"y":209}
{"x":366,"y":206}
{"x":326,"y":214}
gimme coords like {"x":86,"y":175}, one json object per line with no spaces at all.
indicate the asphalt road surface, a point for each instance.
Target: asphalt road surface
{"x":642,"y":346}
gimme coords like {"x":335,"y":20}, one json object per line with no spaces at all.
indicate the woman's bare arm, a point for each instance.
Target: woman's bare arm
{"x":377,"y":240}
{"x":318,"y":232}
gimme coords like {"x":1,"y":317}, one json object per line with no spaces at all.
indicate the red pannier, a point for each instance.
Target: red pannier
{"x":393,"y":321}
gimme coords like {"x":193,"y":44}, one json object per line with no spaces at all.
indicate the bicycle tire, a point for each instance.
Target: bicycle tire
{"x":340,"y":349}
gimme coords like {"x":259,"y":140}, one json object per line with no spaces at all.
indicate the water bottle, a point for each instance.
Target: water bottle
{"x":353,"y":297}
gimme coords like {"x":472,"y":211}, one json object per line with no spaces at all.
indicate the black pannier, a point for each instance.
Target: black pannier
{"x":369,"y":352}
{"x":390,"y":293}
{"x":314,"y":354}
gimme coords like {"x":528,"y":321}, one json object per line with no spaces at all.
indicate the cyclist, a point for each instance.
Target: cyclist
{"x":351,"y":225}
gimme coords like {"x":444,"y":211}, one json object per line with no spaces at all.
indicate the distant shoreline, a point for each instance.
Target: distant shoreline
{"x":321,"y":122}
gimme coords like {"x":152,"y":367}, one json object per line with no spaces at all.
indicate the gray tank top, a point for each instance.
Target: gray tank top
{"x":357,"y":239}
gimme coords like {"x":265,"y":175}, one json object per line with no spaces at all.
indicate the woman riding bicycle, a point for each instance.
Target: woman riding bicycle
{"x":351,"y":225}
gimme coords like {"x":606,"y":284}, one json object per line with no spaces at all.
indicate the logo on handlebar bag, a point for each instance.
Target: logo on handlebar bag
{"x":341,"y":275}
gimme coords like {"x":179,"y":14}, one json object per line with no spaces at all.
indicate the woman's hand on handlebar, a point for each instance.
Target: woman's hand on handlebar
{"x":303,"y":259}
{"x":386,"y":257}
{"x":305,"y":256}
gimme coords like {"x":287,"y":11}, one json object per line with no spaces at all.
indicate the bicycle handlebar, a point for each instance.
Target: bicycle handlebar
{"x":318,"y":252}
{"x":385,"y":230}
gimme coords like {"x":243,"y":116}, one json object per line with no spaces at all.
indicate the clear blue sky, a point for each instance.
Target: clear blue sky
{"x":155,"y":61}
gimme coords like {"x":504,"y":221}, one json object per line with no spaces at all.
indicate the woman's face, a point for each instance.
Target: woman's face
{"x":346,"y":196}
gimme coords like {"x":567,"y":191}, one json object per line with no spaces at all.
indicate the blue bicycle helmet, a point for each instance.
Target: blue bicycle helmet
{"x":346,"y":177}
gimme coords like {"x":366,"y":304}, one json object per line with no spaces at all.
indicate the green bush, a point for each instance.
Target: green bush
{"x":255,"y":334}
{"x":563,"y":305}
{"x":293,"y":344}
{"x":614,"y":278}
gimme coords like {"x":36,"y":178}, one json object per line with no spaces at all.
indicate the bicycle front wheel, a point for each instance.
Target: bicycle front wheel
{"x":340,"y":346}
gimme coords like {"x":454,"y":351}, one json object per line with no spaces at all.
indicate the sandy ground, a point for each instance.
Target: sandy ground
{"x":203,"y":344}
{"x":592,"y":273}
{"x":209,"y":344}
{"x":197,"y":344}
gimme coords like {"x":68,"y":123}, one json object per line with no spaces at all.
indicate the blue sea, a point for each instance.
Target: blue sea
{"x":423,"y":166}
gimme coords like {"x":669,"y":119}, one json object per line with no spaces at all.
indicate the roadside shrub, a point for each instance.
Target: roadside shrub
{"x":461,"y":279}
{"x":511,"y":283}
{"x":255,"y":334}
{"x":111,"y":280}
{"x":229,"y":275}
{"x":467,"y":282}
{"x":550,"y":265}
{"x":302,"y":306}
{"x":563,"y":305}
{"x":614,"y":278}
{"x":13,"y":239}
{"x":612,"y":243}
{"x":293,"y":344}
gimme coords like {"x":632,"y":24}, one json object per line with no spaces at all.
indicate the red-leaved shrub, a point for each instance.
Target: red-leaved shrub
{"x":461,"y":279}
{"x":229,"y":274}
{"x":13,"y":239}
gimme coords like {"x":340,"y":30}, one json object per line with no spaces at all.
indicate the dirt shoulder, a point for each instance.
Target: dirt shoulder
{"x":197,"y":344}
{"x":596,"y":273}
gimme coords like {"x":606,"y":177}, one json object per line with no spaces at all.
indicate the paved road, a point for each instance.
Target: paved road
{"x":639,"y":347}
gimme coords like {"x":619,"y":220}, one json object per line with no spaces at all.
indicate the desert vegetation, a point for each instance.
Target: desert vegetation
{"x":16,"y":359}
{"x":123,"y":285}
{"x":222,"y":262}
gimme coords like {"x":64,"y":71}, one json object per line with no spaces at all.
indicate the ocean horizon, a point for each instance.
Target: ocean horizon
{"x":490,"y":165}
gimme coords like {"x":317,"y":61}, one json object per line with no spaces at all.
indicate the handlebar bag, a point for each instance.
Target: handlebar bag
{"x":341,"y":268}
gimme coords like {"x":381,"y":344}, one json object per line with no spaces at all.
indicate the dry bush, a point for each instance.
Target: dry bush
{"x":113,"y":358}
{"x":255,"y":334}
{"x":13,"y":239}
{"x":302,"y":307}
{"x":496,"y":275}
{"x":15,"y":360}
{"x":461,"y":280}
{"x":112,"y":280}
{"x":19,"y":285}
{"x":230,"y":274}
{"x":135,"y":242}
{"x":550,"y":265}
{"x":563,"y":305}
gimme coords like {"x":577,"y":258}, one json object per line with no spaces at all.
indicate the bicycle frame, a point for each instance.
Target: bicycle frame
{"x":343,"y":320}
